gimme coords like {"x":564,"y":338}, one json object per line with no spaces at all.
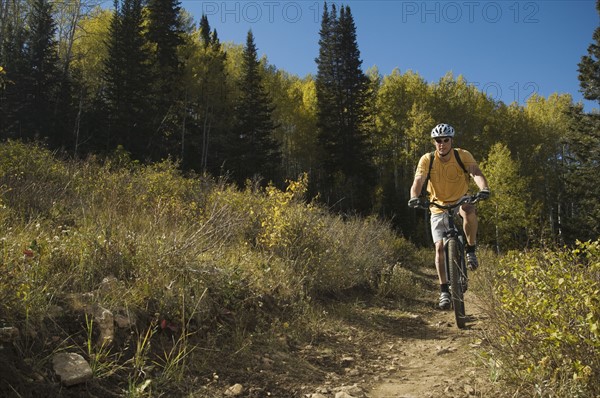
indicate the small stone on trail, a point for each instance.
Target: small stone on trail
{"x":106,"y":323}
{"x":352,"y":372}
{"x":443,"y":351}
{"x":469,"y":390}
{"x":352,"y":391}
{"x":71,"y":368}
{"x":346,"y":361}
{"x":235,"y":390}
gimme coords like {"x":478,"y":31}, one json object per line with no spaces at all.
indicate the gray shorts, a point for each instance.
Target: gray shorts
{"x":439,"y":225}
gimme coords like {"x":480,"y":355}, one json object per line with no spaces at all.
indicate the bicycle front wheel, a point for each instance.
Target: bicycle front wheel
{"x":455,"y":269}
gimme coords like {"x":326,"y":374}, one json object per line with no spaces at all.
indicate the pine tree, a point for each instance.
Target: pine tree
{"x":205,"y":31}
{"x":589,"y":67}
{"x":16,"y":69}
{"x":581,"y":210}
{"x":43,"y":58}
{"x":255,"y":151}
{"x":165,"y":34}
{"x":127,"y":80}
{"x":217,"y":107}
{"x":326,"y":87}
{"x":31,"y":62}
{"x":165,"y":31}
{"x":342,"y":100}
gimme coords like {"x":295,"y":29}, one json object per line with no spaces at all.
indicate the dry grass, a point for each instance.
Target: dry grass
{"x":206,"y":270}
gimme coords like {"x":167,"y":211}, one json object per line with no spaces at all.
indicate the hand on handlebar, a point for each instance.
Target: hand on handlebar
{"x":414,"y":203}
{"x":483,"y":194}
{"x":419,"y":203}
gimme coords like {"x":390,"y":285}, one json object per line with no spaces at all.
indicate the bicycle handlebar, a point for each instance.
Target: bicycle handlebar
{"x":465,"y":199}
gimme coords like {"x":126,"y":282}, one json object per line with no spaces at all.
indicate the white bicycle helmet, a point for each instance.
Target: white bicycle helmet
{"x":442,"y":130}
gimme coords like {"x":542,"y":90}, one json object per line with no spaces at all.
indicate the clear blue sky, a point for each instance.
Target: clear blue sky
{"x":510,"y":49}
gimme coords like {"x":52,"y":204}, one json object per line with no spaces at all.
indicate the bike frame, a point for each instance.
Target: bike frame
{"x":454,"y":256}
{"x":456,"y":269}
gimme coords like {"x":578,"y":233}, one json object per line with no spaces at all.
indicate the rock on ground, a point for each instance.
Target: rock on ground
{"x":71,"y":368}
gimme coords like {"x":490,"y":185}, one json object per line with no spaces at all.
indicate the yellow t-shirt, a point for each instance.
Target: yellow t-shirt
{"x":448,"y":182}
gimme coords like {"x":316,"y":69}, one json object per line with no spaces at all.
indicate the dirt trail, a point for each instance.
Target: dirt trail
{"x":423,"y":354}
{"x":436,"y":359}
{"x":383,"y":348}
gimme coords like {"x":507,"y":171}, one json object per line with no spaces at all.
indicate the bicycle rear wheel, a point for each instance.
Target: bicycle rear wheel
{"x":455,"y":270}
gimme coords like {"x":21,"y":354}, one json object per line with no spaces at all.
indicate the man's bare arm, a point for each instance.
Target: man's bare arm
{"x":415,"y":189}
{"x":478,"y":177}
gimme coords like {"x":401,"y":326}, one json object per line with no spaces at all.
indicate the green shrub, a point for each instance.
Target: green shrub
{"x":547,"y":323}
{"x":32,"y":180}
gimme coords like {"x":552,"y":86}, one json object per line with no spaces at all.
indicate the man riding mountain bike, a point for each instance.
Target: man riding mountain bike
{"x":445,"y":174}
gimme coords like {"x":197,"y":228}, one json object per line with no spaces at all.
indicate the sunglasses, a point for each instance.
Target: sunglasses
{"x":440,"y":140}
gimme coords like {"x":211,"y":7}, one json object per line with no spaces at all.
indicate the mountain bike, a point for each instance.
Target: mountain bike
{"x":454,"y":250}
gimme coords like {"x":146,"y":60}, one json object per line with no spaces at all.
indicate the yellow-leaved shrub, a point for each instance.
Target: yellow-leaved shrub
{"x":546,"y":328}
